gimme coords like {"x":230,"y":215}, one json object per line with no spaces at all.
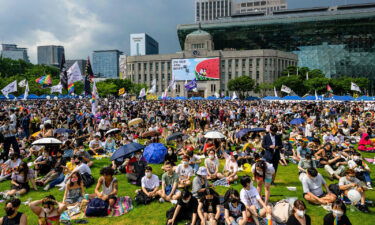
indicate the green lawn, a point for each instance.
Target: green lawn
{"x":155,"y":212}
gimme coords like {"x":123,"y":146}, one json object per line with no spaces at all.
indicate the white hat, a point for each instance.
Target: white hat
{"x":97,"y":134}
{"x":202,"y":171}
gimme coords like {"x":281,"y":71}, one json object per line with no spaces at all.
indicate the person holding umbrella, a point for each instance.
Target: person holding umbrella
{"x":135,"y":168}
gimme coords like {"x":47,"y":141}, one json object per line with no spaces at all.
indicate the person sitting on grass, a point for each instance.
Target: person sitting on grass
{"x":349,"y":182}
{"x":13,"y":217}
{"x":305,"y":164}
{"x":263,"y":173}
{"x":48,"y":210}
{"x":338,"y":215}
{"x":231,"y":167}
{"x":362,"y":170}
{"x":21,"y":177}
{"x":186,"y":209}
{"x":107,"y":184}
{"x":6,"y":168}
{"x":95,"y":145}
{"x":299,"y":216}
{"x":150,"y":185}
{"x":51,"y":176}
{"x":312,"y":188}
{"x":80,"y":151}
{"x":74,"y":190}
{"x":235,"y":210}
{"x":169,"y":182}
{"x":135,"y":168}
{"x":212,"y":165}
{"x":184,"y":172}
{"x":255,"y":206}
{"x":200,"y":182}
{"x":209,"y":207}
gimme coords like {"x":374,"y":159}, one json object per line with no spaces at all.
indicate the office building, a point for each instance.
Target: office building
{"x":210,"y":10}
{"x":105,"y":63}
{"x":255,"y":6}
{"x":338,"y":40}
{"x":50,"y":55}
{"x":261,"y":65}
{"x":143,"y":44}
{"x":81,"y":63}
{"x":11,"y":51}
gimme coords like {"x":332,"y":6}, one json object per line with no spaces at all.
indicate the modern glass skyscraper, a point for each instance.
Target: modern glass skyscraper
{"x":50,"y":55}
{"x":11,"y":51}
{"x":106,"y":63}
{"x":143,"y":44}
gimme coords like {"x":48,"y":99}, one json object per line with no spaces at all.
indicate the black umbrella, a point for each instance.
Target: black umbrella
{"x":63,"y":131}
{"x":257,"y":129}
{"x":126,"y":150}
{"x":174,"y":136}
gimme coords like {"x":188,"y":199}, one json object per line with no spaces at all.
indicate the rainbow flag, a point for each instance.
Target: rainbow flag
{"x":71,"y":88}
{"x":44,"y":80}
{"x":269,"y":221}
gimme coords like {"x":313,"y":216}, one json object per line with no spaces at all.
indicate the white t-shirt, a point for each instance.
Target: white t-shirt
{"x":270,"y":170}
{"x":308,"y":132}
{"x":211,"y":164}
{"x":250,"y":197}
{"x":83,"y":168}
{"x":183,"y":171}
{"x":104,"y":124}
{"x":150,"y":183}
{"x":313,"y":185}
{"x":94,"y":144}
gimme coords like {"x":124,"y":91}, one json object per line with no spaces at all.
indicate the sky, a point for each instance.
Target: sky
{"x":83,"y":26}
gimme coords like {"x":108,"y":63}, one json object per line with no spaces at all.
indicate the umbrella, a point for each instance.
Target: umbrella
{"x":126,"y":150}
{"x":297,"y":121}
{"x":258,"y":129}
{"x":47,"y":141}
{"x":135,"y":121}
{"x":242,"y":132}
{"x":113,"y":131}
{"x":155,"y":153}
{"x":214,"y":135}
{"x":174,"y":136}
{"x":152,"y":133}
{"x":63,"y":130}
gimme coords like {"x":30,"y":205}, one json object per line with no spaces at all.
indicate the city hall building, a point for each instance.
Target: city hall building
{"x":262,"y":65}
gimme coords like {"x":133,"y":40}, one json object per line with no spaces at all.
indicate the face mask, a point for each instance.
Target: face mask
{"x":185,"y":163}
{"x":351,"y":178}
{"x":81,"y":150}
{"x":170,"y":152}
{"x":47,"y":210}
{"x":185,"y":201}
{"x":300,"y":213}
{"x":9,"y":211}
{"x":234,"y":200}
{"x":337,"y":213}
{"x":138,"y":156}
{"x":260,"y":171}
{"x":74,"y":180}
{"x":355,"y":157}
{"x":148,"y":174}
{"x":212,"y":156}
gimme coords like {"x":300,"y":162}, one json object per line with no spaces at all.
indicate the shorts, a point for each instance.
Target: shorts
{"x":168,"y":190}
{"x":267,"y":180}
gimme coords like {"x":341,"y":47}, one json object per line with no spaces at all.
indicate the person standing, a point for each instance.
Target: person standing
{"x":9,"y":131}
{"x":272,"y":144}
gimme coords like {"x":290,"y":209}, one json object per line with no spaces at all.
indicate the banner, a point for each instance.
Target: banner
{"x":234,"y":96}
{"x":74,"y":73}
{"x":121,"y":91}
{"x":22,"y":83}
{"x":286,"y":89}
{"x":196,"y":68}
{"x":355,"y":87}
{"x":191,"y":85}
{"x":57,"y":88}
{"x":10,"y":88}
{"x":274,"y":89}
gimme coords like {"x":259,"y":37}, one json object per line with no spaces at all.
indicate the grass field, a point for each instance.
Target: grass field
{"x":155,"y":212}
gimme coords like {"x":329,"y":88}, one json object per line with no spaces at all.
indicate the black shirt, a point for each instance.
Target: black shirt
{"x":293,"y":220}
{"x":14,"y":221}
{"x":210,"y":206}
{"x":329,"y":219}
{"x":190,"y":207}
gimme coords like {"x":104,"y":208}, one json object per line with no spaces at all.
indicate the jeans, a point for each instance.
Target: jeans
{"x":57,"y":181}
{"x":7,"y":142}
{"x":195,"y":167}
{"x":366,"y":176}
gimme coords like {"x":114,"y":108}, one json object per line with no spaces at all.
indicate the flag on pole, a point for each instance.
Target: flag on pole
{"x":22,"y":83}
{"x":329,"y":89}
{"x":26,"y":91}
{"x":172,"y":84}
{"x":355,"y":87}
{"x":217,"y":95}
{"x":153,"y":88}
{"x":191,"y":85}
{"x":89,"y":77}
{"x":286,"y":89}
{"x":307,"y":76}
{"x":234,"y":96}
{"x":63,"y":74}
{"x":10,"y":88}
{"x":142,"y":93}
{"x":71,"y":88}
{"x":274,"y":89}
{"x":94,"y":99}
{"x":165,"y":94}
{"x":316,"y":96}
{"x":74,"y":73}
{"x":121,"y":91}
{"x":57,"y":88}
{"x":44,"y":80}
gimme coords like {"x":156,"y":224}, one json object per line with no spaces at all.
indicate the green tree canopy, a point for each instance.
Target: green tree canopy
{"x":241,"y":85}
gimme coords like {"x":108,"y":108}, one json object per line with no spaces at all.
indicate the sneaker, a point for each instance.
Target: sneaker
{"x":161,"y":200}
{"x":174,"y":202}
{"x":62,"y":188}
{"x":240,"y":169}
{"x":46,"y":188}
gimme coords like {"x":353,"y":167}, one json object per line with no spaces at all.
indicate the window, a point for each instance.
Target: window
{"x":243,"y":63}
{"x":236,"y":62}
{"x":250,"y":63}
{"x":258,"y":62}
{"x":266,"y":62}
{"x":163,"y":77}
{"x":223,"y":64}
{"x":230,"y":76}
{"x":145,"y":78}
{"x":144,"y":66}
{"x":258,"y":75}
{"x":151,"y":66}
{"x":162,"y":66}
{"x":139,"y":77}
{"x":157,"y":66}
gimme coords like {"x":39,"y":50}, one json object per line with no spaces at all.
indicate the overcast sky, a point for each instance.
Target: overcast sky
{"x":82,"y":26}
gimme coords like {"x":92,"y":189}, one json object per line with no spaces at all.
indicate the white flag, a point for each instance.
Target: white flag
{"x":355,"y":87}
{"x":307,"y":76}
{"x":195,"y":90}
{"x":286,"y":89}
{"x":26,"y":91}
{"x":10,"y":88}
{"x":22,"y":83}
{"x":274,"y":89}
{"x":142,"y":93}
{"x":234,"y":96}
{"x":165,"y":94}
{"x":172,"y":84}
{"x":57,"y":88}
{"x":316,"y":96}
{"x":95,"y":99}
{"x":74,"y":73}
{"x":153,"y":88}
{"x":217,"y":95}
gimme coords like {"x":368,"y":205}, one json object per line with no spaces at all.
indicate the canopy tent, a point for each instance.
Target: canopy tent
{"x":212,"y":98}
{"x":226,"y":98}
{"x":251,"y":98}
{"x":310,"y":98}
{"x":365,"y":98}
{"x":180,"y":98}
{"x":30,"y":96}
{"x":271,"y":98}
{"x":292,"y":98}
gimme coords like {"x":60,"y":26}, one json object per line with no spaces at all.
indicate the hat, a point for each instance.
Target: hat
{"x":309,"y":120}
{"x":202,"y":171}
{"x":97,"y":134}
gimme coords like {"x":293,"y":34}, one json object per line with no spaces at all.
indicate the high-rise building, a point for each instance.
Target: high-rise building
{"x":11,"y":51}
{"x":50,"y":55}
{"x":256,"y":6}
{"x":81,"y":63}
{"x":209,"y":10}
{"x":105,"y":63}
{"x":143,"y":44}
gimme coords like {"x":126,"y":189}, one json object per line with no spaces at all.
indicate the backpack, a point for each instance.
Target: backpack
{"x":281,"y":211}
{"x":97,"y":207}
{"x":142,"y":199}
{"x":87,"y":179}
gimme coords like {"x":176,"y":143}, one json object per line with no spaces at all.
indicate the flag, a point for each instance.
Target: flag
{"x":63,"y":74}
{"x":22,"y":83}
{"x":89,"y":76}
{"x":142,"y":93}
{"x":26,"y":91}
{"x":71,"y":88}
{"x":165,"y":94}
{"x":172,"y":84}
{"x":234,"y":96}
{"x":329,"y":89}
{"x":355,"y":87}
{"x":286,"y":89}
{"x":217,"y":95}
{"x":74,"y":73}
{"x":316,"y":96}
{"x":307,"y":76}
{"x":191,"y":85}
{"x":274,"y":89}
{"x":44,"y":80}
{"x":94,"y":99}
{"x":195,"y":90}
{"x":121,"y":91}
{"x":10,"y":88}
{"x":57,"y":88}
{"x":153,"y":88}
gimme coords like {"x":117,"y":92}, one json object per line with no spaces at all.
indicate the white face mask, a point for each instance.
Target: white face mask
{"x":185,"y":163}
{"x":185,"y":201}
{"x":260,"y":171}
{"x":212,"y":156}
{"x":356,"y":157}
{"x":47,"y":210}
{"x":337,"y":213}
{"x":170,"y":152}
{"x":300,"y":213}
{"x":148,"y":174}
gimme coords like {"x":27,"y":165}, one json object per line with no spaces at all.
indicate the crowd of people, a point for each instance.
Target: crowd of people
{"x":257,"y":138}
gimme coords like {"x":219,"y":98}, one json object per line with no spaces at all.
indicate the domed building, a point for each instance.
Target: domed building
{"x":210,"y":68}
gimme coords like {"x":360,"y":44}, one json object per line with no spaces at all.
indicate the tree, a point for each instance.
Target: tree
{"x":242,"y":85}
{"x":262,"y":88}
{"x":317,"y":84}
